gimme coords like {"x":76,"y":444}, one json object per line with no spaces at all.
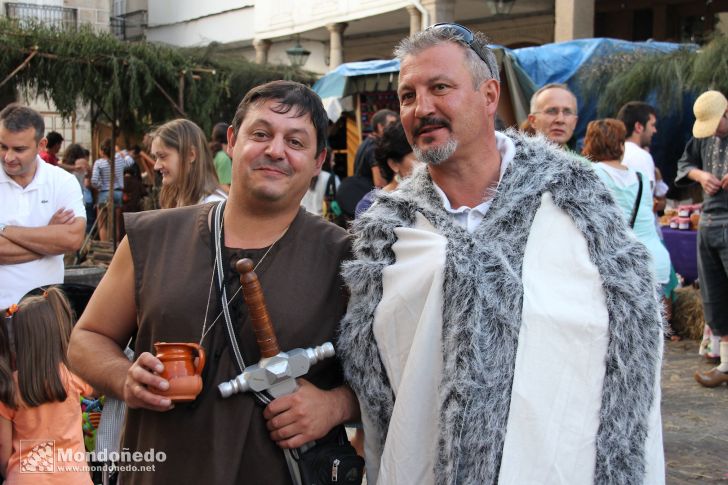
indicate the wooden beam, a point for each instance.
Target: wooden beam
{"x":181,"y":91}
{"x":169,"y":98}
{"x":33,"y":53}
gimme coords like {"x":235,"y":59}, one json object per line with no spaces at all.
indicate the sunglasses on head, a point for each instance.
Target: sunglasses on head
{"x":465,"y":34}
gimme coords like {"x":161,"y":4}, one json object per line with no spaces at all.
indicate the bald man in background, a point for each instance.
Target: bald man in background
{"x":554,"y":113}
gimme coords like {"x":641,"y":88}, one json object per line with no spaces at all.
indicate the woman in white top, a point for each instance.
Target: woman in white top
{"x":604,"y":144}
{"x":182,"y":156}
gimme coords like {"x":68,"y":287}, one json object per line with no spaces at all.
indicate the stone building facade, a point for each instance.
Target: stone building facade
{"x":64,"y":14}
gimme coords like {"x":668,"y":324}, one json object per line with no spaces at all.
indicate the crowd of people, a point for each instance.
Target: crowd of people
{"x":496,"y":303}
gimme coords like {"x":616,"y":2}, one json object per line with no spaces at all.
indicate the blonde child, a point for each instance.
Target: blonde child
{"x":41,"y":439}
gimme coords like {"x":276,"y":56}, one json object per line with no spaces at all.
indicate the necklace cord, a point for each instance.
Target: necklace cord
{"x":217,"y":268}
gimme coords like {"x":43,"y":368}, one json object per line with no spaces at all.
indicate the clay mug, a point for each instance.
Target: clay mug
{"x":183,"y":376}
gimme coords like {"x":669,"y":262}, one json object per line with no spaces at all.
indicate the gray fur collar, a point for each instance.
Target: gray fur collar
{"x":483,"y":297}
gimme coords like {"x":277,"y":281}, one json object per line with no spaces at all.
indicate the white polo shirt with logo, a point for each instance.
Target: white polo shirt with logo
{"x":52,"y":188}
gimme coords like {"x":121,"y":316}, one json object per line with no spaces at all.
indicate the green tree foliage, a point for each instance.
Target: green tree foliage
{"x":241,"y":75}
{"x":127,"y":81}
{"x":710,"y":67}
{"x":664,"y":74}
{"x":630,"y":76}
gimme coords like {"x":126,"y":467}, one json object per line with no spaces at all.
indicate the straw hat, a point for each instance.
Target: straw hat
{"x":709,"y":108}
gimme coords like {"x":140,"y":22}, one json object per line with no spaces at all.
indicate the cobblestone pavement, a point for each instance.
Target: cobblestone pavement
{"x":695,"y":420}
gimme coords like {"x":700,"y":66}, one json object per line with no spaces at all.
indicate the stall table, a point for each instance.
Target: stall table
{"x":683,"y":249}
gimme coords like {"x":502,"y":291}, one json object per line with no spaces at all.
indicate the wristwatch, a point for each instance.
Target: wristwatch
{"x":2,"y":227}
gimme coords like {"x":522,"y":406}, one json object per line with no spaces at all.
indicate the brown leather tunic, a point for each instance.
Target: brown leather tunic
{"x":215,"y":440}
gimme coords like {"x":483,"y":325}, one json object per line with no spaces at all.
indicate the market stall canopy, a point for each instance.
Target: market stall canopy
{"x":517,"y":87}
{"x":355,"y":77}
{"x":352,"y":78}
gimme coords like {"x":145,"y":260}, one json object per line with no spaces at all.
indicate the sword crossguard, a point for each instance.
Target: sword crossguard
{"x":277,"y":374}
{"x":277,"y":371}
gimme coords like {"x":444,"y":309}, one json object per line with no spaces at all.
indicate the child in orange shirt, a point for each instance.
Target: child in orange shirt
{"x":41,"y":440}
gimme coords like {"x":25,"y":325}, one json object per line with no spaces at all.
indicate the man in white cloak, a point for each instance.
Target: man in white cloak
{"x":503,"y":325}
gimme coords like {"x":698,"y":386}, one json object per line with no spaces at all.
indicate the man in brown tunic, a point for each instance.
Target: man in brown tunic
{"x":160,"y":287}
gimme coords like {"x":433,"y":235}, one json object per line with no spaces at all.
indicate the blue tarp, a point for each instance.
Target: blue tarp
{"x":560,"y":63}
{"x":334,"y":83}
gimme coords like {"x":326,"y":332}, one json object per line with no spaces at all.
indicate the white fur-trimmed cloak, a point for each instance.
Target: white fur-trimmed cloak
{"x":483,"y":304}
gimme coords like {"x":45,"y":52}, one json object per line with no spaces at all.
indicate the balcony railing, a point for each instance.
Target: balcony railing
{"x":129,"y":26}
{"x":58,"y":17}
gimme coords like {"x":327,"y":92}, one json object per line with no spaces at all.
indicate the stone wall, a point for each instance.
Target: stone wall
{"x":92,"y":12}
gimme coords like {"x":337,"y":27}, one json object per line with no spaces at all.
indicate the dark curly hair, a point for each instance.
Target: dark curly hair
{"x":73,"y":152}
{"x":635,"y":112}
{"x":604,"y":140}
{"x":392,"y":145}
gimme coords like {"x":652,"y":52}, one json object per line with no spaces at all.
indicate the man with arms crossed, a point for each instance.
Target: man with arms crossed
{"x":161,"y":287}
{"x":500,"y":320}
{"x":41,"y":208}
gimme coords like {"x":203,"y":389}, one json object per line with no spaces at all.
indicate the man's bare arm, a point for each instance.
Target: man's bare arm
{"x":67,"y":167}
{"x":11,"y":253}
{"x":48,"y":240}
{"x":103,"y":331}
{"x":6,"y":444}
{"x":709,"y":182}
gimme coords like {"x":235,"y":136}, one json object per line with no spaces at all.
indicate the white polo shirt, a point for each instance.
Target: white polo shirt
{"x":469,"y":218}
{"x":639,"y":160}
{"x":52,"y":188}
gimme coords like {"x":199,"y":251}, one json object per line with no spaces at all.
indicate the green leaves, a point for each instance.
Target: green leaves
{"x":630,"y":76}
{"x":125,"y":80}
{"x":710,"y":68}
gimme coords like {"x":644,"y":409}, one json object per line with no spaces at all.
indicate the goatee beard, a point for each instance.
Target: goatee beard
{"x":436,"y":155}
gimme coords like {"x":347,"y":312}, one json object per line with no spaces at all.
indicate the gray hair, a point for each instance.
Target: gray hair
{"x":546,"y":87}
{"x":16,"y":117}
{"x":436,"y":155}
{"x":480,"y":70}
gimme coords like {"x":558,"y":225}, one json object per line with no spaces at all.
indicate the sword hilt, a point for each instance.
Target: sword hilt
{"x":277,"y":375}
{"x":259,"y":317}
